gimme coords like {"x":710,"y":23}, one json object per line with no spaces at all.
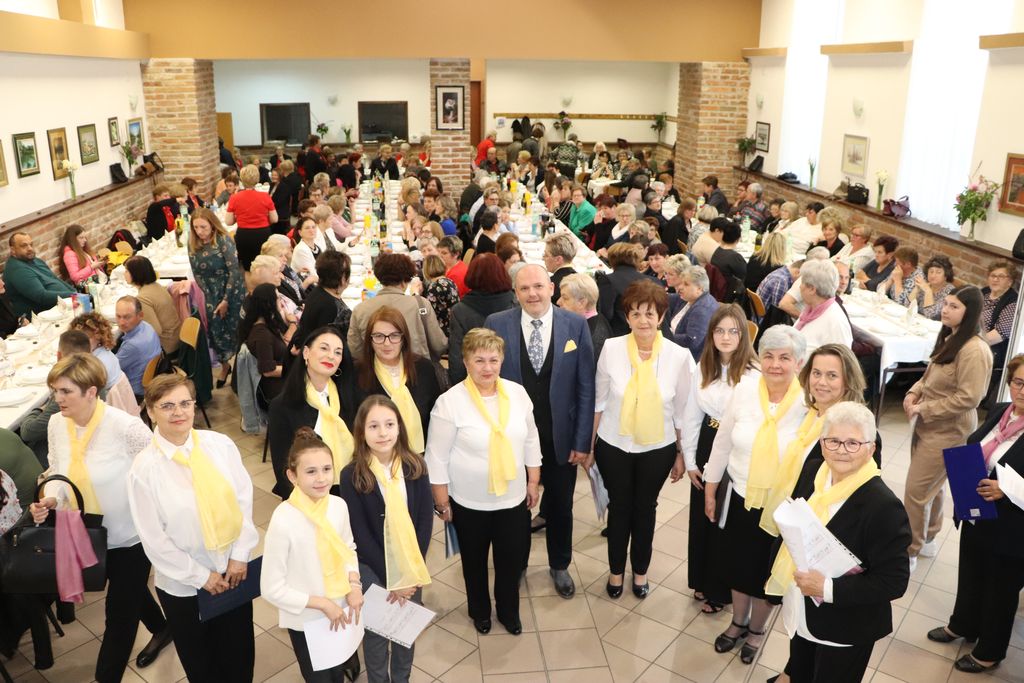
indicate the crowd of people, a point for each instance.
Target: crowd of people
{"x":474,"y":386}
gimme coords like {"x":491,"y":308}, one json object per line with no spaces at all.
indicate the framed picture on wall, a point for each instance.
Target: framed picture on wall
{"x":449,"y":101}
{"x":25,"y":154}
{"x":3,"y":166}
{"x":1012,"y":199}
{"x":855,"y":155}
{"x":113,"y":131}
{"x":57,"y":138}
{"x":762,"y":134}
{"x":88,"y":145}
{"x":135,"y":136}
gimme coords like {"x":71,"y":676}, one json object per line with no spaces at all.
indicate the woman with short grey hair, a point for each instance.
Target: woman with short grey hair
{"x":690,"y":309}
{"x":705,"y":215}
{"x":578,"y":294}
{"x":823,"y":320}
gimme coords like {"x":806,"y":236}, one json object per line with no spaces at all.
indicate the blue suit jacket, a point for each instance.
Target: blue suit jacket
{"x":572,"y":374}
{"x":692,"y":331}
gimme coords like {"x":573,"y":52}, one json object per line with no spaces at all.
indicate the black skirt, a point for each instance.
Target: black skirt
{"x":745,"y":549}
{"x":704,"y":567}
{"x":249,"y":241}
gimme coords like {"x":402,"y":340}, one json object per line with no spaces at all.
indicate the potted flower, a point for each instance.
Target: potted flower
{"x":660,"y":121}
{"x":746,"y":147}
{"x":70,"y":167}
{"x":347,"y":130}
{"x":973,"y":201}
{"x":321,"y":130}
{"x":130,"y":153}
{"x":563,"y":123}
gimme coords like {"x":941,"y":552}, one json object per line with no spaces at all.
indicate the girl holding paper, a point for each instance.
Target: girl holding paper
{"x":389,"y":499}
{"x":310,"y":569}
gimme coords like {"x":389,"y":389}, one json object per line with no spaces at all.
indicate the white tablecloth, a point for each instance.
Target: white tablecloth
{"x":169,"y":260}
{"x":885,"y":326}
{"x":32,"y":357}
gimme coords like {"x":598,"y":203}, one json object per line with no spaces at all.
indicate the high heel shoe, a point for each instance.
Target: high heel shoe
{"x":725,"y":643}
{"x":748,"y":652}
{"x":224,"y":380}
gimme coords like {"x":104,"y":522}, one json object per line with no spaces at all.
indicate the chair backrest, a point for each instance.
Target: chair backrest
{"x":752,"y":327}
{"x":756,"y":302}
{"x":151,"y":369}
{"x":468,"y":255}
{"x":189,"y":331}
{"x":683,"y":249}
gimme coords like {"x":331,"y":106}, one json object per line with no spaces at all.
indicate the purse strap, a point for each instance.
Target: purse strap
{"x":61,"y":478}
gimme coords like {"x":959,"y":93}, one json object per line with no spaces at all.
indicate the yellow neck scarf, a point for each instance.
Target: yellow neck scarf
{"x":78,"y":472}
{"x":820,"y":502}
{"x":641,"y":414}
{"x":335,"y":555}
{"x":764,"y":457}
{"x":399,"y":393}
{"x":402,"y":557}
{"x":789,"y":469}
{"x":501,"y":463}
{"x":219,"y":514}
{"x":335,"y":431}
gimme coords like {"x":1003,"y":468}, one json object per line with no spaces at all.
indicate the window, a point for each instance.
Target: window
{"x":380,"y":120}
{"x":288,"y":122}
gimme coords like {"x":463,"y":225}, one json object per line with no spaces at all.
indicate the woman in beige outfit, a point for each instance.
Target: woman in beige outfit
{"x":945,"y":403}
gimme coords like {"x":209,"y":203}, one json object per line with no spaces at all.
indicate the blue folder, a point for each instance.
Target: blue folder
{"x":212,"y":606}
{"x":965,"y":467}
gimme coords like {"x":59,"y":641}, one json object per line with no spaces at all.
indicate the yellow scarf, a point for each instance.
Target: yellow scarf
{"x":78,"y":472}
{"x":782,"y":571}
{"x":402,"y":557}
{"x":641,"y":415}
{"x":335,"y":431}
{"x":399,"y":393}
{"x":501,"y":463}
{"x":216,"y":501}
{"x":764,"y":456}
{"x":335,"y":556}
{"x":789,"y":469}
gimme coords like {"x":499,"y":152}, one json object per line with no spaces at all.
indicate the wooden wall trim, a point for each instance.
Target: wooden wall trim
{"x":887,"y":47}
{"x":26,"y":34}
{"x":1001,"y":41}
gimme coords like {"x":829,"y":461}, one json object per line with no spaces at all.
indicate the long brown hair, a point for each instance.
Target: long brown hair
{"x":217,"y":230}
{"x":70,"y":239}
{"x":387,"y":314}
{"x":362,"y":478}
{"x":949,"y":343}
{"x":743,"y":358}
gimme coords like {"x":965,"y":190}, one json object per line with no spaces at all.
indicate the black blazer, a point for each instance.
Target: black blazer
{"x":424,"y":392}
{"x":805,"y":483}
{"x":366,"y":515}
{"x":1003,"y":534}
{"x":600,"y":330}
{"x":387,"y":169}
{"x":610,"y":287}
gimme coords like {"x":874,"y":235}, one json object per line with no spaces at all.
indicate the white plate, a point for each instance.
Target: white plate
{"x":51,"y":315}
{"x":528,"y":237}
{"x":857,"y":313}
{"x":13,"y":397}
{"x":35,"y":375}
{"x":894,"y":310}
{"x":16,"y":345}
{"x":179,"y":259}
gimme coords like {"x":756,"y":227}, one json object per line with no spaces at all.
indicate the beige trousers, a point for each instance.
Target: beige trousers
{"x":925,"y":478}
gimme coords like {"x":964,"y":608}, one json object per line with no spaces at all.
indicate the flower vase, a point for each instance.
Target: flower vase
{"x":967,"y":232}
{"x":74,"y":192}
{"x":878,"y":198}
{"x":810,"y":181}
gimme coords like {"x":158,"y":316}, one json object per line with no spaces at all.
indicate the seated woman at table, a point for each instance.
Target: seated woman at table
{"x":930,"y":291}
{"x":822,"y":319}
{"x":307,"y":248}
{"x":999,"y":308}
{"x":676,"y":231}
{"x":158,"y":307}
{"x":324,"y":305}
{"x":78,"y":262}
{"x":581,"y":213}
{"x":101,"y":341}
{"x":771,"y":257}
{"x":267,"y":270}
{"x":858,"y":250}
{"x":878,"y":270}
{"x":833,"y":623}
{"x":385,"y":165}
{"x":292,"y":285}
{"x":603,"y":167}
{"x":899,"y":286}
{"x":439,"y":290}
{"x":340,"y":228}
{"x":832,"y":237}
{"x":267,"y":335}
{"x":625,"y":215}
{"x":690,"y":309}
{"x":488,"y":235}
{"x":597,"y":234}
{"x":652,"y":208}
{"x":560,"y":202}
{"x":325,"y":238}
{"x":655,"y":258}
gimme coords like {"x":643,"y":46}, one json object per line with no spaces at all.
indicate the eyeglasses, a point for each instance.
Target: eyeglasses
{"x":998,"y":276}
{"x":1017,"y":384}
{"x":394,"y":338}
{"x":722,"y":332}
{"x":850,"y":445}
{"x":170,"y":406}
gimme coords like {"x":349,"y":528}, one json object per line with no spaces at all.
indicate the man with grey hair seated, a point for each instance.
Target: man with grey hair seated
{"x":754,"y":207}
{"x":823,"y":320}
{"x":793,"y":302}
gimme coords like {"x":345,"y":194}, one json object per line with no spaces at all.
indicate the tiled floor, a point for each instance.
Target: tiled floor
{"x":590,"y":638}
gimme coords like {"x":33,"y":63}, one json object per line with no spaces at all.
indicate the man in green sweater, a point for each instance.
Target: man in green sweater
{"x":20,"y":464}
{"x":31,"y":285}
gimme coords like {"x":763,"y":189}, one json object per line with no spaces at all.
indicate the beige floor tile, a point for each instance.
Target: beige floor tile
{"x":625,"y":667}
{"x":663,"y":564}
{"x":437,"y":650}
{"x":641,"y":636}
{"x":18,"y":665}
{"x":590,"y":675}
{"x":914,"y":665}
{"x":880,"y":677}
{"x":775,"y":651}
{"x":932,"y":602}
{"x":707,"y":627}
{"x":165,"y":669}
{"x":656,"y":674}
{"x":693,"y":659}
{"x":78,"y":664}
{"x":75,"y":635}
{"x":272,"y":656}
{"x":466,"y":671}
{"x":539,"y":584}
{"x":554,"y":613}
{"x":737,"y":671}
{"x":458,"y":623}
{"x":668,"y":607}
{"x":290,"y":674}
{"x":605,"y":613}
{"x":573,"y":649}
{"x":942,"y":576}
{"x":442,"y":598}
{"x":671,"y":541}
{"x":514,"y":678}
{"x":503,"y":654}
{"x":31,"y":676}
{"x":913,"y":631}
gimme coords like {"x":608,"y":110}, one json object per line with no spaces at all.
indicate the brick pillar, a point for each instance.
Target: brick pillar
{"x":712,"y":115}
{"x":450,"y":149}
{"x":181,"y":115}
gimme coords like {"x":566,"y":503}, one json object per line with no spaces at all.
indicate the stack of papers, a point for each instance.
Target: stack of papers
{"x":811,"y":545}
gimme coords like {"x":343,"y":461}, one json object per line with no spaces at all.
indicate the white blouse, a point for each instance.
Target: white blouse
{"x":831,"y":327}
{"x":458,"y":441}
{"x":291,"y":565}
{"x":710,"y":401}
{"x":738,"y":428}
{"x":675,"y":371}
{"x":163,"y":505}
{"x":303,"y":260}
{"x":108,"y":457}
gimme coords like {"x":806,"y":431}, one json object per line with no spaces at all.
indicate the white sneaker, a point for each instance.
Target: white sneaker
{"x":929,"y":549}
{"x":913,"y":563}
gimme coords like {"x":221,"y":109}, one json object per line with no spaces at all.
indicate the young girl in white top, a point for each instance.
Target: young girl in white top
{"x":310,"y":569}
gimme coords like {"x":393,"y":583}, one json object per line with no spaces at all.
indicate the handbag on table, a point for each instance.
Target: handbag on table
{"x":857,"y":194}
{"x":897,"y":208}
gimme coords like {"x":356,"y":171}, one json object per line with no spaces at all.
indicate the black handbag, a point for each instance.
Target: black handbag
{"x":117,"y":174}
{"x":857,"y":194}
{"x":28,"y":563}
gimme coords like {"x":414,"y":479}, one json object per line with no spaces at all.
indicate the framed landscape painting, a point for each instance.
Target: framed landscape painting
{"x":113,"y":131}
{"x":57,"y":138}
{"x":135,"y":136}
{"x":762,"y":134}
{"x":88,"y":145}
{"x":25,"y":154}
{"x":1012,"y":199}
{"x":3,"y":166}
{"x":855,"y":155}
{"x":449,"y":102}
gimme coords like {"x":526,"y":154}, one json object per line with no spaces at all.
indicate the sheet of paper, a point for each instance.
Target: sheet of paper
{"x":1011,"y":484}
{"x":811,"y":544}
{"x":400,"y":624}
{"x":599,"y":492}
{"x":451,"y":541}
{"x":327,"y":648}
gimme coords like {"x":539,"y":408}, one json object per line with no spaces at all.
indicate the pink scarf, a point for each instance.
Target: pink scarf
{"x":73,"y":554}
{"x":812,"y":313}
{"x":1005,"y":430}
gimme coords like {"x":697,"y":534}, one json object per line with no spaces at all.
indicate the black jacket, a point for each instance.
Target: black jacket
{"x":600,"y":330}
{"x":160,"y":217}
{"x":387,"y":169}
{"x":610,"y":287}
{"x":424,"y":392}
{"x":674,"y":230}
{"x":1004,"y":533}
{"x":347,"y":175}
{"x":286,"y":196}
{"x":465,"y":315}
{"x":717,"y":199}
{"x":8,"y":320}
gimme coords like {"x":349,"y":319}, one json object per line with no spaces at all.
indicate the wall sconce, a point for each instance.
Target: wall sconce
{"x":858,"y":108}
{"x":133,"y":102}
{"x":567,"y":101}
{"x":759,"y":100}
{"x":332,"y":100}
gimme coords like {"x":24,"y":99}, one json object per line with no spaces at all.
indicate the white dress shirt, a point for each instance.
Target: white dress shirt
{"x":739,"y":425}
{"x":303,"y":260}
{"x":458,"y":446}
{"x":163,"y":505}
{"x":291,"y":571}
{"x":675,"y":371}
{"x":108,"y":457}
{"x":858,"y":259}
{"x":802,"y":235}
{"x":710,"y":401}
{"x":547,"y":320}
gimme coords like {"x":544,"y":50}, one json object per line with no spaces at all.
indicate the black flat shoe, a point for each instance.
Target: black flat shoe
{"x":221,"y":382}
{"x":152,"y":650}
{"x":537,"y":523}
{"x":970,"y":665}
{"x":482,"y":625}
{"x":614,"y":592}
{"x":641,"y":591}
{"x":604,"y":532}
{"x":941,"y":634}
{"x":748,"y":652}
{"x":725,"y":643}
{"x":514,"y":627}
{"x":352,"y":667}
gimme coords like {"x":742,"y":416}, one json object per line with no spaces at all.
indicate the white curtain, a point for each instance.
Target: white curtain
{"x":947,"y":77}
{"x":815,"y":23}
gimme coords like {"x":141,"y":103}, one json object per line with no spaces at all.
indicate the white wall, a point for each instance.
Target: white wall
{"x":62,"y":92}
{"x":109,"y":13}
{"x":37,"y":8}
{"x":767,"y":80}
{"x":241,"y":86}
{"x":595,"y":88}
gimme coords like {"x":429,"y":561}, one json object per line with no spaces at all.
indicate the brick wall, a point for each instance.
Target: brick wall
{"x":450,"y":149}
{"x":181,"y":114}
{"x":712,"y":115}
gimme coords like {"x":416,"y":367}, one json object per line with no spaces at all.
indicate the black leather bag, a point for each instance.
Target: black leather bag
{"x":857,"y":194}
{"x":28,"y":562}
{"x":117,"y":174}
{"x":757,"y":164}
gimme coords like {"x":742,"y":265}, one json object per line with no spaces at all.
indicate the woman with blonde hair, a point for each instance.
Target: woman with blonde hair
{"x":385,"y":164}
{"x":78,"y":262}
{"x":771,"y":257}
{"x":425,"y":154}
{"x":254,"y":212}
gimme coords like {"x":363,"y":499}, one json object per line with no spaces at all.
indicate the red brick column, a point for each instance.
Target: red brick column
{"x":181,"y":115}
{"x":712,"y":115}
{"x":450,"y":149}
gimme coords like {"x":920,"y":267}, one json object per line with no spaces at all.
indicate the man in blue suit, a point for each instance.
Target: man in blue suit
{"x":548,"y":350}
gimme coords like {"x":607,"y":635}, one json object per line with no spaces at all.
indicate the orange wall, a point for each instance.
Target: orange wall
{"x":668,"y":31}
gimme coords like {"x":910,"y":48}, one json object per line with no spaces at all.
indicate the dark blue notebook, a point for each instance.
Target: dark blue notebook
{"x":965,"y":467}
{"x":212,"y":606}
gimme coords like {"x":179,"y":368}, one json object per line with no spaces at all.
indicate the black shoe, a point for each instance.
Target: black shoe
{"x":724,"y":642}
{"x":515,"y":627}
{"x":149,"y":653}
{"x":482,"y":625}
{"x":537,"y":523}
{"x":641,"y":591}
{"x":613,"y":591}
{"x":604,"y":532}
{"x":748,"y":652}
{"x":563,"y":582}
{"x":352,"y":667}
{"x":970,"y":665}
{"x":222,"y":382}
{"x":941,"y":634}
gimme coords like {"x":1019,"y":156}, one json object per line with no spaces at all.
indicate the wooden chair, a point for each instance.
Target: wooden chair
{"x":756,"y":303}
{"x":468,"y":255}
{"x":150,"y":372}
{"x":683,"y":249}
{"x":752,"y":329}
{"x":189,"y":335}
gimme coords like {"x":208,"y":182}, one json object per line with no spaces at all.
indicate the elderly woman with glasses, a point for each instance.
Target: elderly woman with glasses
{"x":763,"y":422}
{"x":999,"y":308}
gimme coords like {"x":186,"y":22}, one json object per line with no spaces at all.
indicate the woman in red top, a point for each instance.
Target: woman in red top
{"x":254,"y":213}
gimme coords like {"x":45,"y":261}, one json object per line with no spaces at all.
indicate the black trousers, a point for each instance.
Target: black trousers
{"x":704,"y":538}
{"x":987,"y":592}
{"x":559,"y":483}
{"x":633,"y":481}
{"x":508,"y":531}
{"x":813,"y":663}
{"x":221,"y":649}
{"x":128,"y":602}
{"x":333,"y":675}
